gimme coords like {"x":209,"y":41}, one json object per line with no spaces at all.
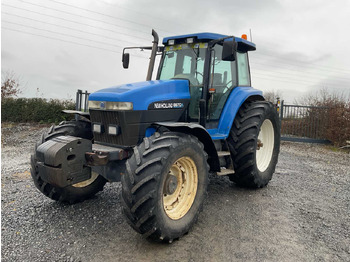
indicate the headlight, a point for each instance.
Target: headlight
{"x":119,"y":105}
{"x":94,"y":104}
{"x":110,"y":105}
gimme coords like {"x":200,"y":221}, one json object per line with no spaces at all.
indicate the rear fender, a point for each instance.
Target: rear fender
{"x":234,"y":102}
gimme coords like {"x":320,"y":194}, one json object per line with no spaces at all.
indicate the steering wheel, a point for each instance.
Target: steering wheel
{"x":227,"y":86}
{"x":229,"y":82}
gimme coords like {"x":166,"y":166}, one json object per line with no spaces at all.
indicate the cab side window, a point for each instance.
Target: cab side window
{"x":243,"y":69}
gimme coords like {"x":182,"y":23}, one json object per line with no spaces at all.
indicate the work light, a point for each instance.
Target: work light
{"x":97,"y":128}
{"x":113,"y":130}
{"x":190,"y":40}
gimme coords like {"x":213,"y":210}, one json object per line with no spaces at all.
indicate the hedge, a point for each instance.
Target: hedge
{"x":35,"y":110}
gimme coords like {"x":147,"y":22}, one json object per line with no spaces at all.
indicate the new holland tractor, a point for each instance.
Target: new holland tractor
{"x":161,"y":138}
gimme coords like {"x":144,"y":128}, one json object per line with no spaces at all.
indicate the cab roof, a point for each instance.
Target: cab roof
{"x":243,"y":44}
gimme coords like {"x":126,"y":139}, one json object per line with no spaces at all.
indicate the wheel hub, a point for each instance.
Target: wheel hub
{"x":170,"y":185}
{"x":260,"y":144}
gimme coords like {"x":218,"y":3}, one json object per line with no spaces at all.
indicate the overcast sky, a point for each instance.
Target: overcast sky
{"x":59,"y":46}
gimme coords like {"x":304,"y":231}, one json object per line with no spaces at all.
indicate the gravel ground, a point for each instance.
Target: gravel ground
{"x":302,"y":215}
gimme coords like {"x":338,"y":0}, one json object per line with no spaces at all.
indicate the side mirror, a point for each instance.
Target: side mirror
{"x":229,"y":51}
{"x":125,"y":60}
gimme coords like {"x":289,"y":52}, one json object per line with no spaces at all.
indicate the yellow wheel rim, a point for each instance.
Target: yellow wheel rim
{"x":85,"y":183}
{"x":180,"y":188}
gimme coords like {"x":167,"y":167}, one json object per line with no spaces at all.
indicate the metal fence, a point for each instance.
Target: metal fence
{"x":303,"y":123}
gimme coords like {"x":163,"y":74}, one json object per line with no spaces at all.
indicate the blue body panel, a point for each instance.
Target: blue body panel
{"x":228,"y":114}
{"x":208,"y":37}
{"x":142,"y":94}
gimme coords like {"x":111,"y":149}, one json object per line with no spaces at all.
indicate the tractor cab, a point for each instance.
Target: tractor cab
{"x":213,"y":64}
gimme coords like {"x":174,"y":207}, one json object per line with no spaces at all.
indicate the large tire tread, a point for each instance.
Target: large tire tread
{"x":243,"y":143}
{"x":139,"y":184}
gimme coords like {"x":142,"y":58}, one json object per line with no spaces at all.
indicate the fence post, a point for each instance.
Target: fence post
{"x":281,"y":114}
{"x":281,"y":110}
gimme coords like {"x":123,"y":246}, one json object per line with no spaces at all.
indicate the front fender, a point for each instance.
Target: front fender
{"x":202,"y":135}
{"x":77,"y":112}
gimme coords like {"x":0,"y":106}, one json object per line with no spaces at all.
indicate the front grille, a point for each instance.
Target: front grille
{"x":133,"y":123}
{"x":107,"y":118}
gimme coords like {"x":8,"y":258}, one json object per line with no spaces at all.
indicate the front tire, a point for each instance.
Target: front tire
{"x":254,"y":143}
{"x":165,"y":185}
{"x":76,"y":192}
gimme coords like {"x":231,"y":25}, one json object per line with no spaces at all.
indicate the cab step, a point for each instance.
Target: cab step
{"x":225,"y":172}
{"x":223,"y":153}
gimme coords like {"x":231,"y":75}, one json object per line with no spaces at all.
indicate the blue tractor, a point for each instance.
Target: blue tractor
{"x":161,"y":138}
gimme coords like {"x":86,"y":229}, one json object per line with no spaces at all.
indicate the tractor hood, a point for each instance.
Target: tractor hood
{"x":142,"y":94}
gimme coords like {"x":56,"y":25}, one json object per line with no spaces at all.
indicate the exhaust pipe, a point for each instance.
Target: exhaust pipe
{"x":153,"y":55}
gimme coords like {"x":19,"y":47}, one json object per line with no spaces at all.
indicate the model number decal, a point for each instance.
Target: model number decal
{"x":168,"y":105}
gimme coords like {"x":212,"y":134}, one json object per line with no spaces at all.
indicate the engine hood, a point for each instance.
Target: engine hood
{"x":142,"y":94}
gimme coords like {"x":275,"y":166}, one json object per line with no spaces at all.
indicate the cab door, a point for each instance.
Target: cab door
{"x":224,"y":77}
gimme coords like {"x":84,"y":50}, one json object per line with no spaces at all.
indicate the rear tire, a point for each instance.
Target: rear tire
{"x":73,"y":193}
{"x":254,"y":143}
{"x":165,"y":185}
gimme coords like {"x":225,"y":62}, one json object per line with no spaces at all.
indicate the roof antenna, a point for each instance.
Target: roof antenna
{"x":250,"y":32}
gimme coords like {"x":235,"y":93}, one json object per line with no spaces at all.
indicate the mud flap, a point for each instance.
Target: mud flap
{"x":61,"y":160}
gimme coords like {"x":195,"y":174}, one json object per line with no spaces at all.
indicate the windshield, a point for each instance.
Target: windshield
{"x":184,"y":61}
